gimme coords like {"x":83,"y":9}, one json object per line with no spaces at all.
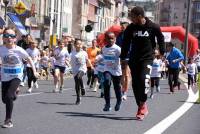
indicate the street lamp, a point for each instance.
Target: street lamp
{"x":6,"y":5}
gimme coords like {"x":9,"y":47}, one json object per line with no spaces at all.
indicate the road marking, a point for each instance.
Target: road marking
{"x":29,"y":94}
{"x":168,"y":121}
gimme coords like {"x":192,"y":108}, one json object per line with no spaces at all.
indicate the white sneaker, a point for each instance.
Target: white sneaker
{"x":7,"y":125}
{"x":29,"y":90}
{"x":21,"y":84}
{"x":96,"y":86}
{"x":124,"y":97}
{"x":55,"y":89}
{"x":158,"y":89}
{"x":36,"y":85}
{"x":151,"y":96}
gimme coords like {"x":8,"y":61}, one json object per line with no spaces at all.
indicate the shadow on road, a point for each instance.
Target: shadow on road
{"x":91,"y":115}
{"x":56,"y":103}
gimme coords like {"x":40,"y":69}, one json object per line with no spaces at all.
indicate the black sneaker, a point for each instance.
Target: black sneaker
{"x":78,"y":101}
{"x":107,"y":108}
{"x":179,"y":86}
{"x":61,"y":89}
{"x":102,"y":95}
{"x":82,"y":92}
{"x":117,"y":106}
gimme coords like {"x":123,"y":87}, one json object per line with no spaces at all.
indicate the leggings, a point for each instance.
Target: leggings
{"x":79,"y":83}
{"x":108,"y":78}
{"x":30,"y":76}
{"x":9,"y":95}
{"x":90,"y":75}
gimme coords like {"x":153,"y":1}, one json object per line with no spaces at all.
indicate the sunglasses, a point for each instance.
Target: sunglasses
{"x":9,"y":35}
{"x":111,"y":38}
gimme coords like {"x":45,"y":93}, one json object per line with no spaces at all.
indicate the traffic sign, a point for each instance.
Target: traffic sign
{"x":20,"y":8}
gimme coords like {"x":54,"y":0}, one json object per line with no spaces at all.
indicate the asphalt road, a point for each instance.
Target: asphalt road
{"x":44,"y":112}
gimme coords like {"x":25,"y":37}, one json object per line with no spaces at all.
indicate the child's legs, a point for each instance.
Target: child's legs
{"x":117,"y":87}
{"x":107,"y":84}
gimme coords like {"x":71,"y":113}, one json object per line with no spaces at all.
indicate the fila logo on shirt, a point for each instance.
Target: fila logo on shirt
{"x":141,"y":34}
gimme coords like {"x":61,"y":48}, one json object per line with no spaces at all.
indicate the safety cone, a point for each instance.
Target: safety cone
{"x":198,"y":85}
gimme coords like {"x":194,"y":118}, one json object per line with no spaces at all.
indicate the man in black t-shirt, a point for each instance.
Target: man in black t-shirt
{"x":139,"y":40}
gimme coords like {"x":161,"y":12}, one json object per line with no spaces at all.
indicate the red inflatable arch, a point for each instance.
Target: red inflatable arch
{"x":179,"y":32}
{"x":176,"y":32}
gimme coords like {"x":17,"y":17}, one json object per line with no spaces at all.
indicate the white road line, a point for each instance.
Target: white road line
{"x":29,"y":94}
{"x":168,"y":121}
{"x":22,"y":95}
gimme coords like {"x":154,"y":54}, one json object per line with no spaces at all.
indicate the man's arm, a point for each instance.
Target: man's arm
{"x":160,"y":39}
{"x":126,"y":42}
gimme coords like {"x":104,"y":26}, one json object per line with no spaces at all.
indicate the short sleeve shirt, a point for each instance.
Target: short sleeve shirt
{"x":12,"y":64}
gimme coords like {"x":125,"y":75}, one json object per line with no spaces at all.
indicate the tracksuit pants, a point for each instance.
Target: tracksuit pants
{"x":140,"y":73}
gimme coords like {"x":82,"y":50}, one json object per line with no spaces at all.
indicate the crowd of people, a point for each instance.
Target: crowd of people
{"x":132,"y":55}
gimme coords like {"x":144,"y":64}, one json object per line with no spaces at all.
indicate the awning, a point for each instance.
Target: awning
{"x":17,"y":23}
{"x":2,"y":22}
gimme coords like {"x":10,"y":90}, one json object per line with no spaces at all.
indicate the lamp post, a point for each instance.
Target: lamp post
{"x":6,"y":5}
{"x":187,"y":31}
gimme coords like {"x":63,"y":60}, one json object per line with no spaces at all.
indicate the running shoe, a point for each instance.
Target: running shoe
{"x":82,"y":92}
{"x":158,"y":89}
{"x":124,"y":97}
{"x":36,"y":85}
{"x":78,"y":101}
{"x":7,"y":124}
{"x":61,"y":89}
{"x":21,"y":84}
{"x":107,"y":108}
{"x":117,"y":106}
{"x":29,"y":90}
{"x":142,"y":112}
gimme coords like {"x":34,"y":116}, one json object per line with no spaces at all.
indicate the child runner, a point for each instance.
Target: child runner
{"x":44,"y":63}
{"x":156,"y":73}
{"x":99,"y":63}
{"x":62,"y":56}
{"x":79,"y":60}
{"x":34,"y":53}
{"x":112,"y":71}
{"x":191,"y":69}
{"x":12,"y":71}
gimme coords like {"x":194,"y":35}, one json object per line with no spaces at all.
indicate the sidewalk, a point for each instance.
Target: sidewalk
{"x":183,"y":77}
